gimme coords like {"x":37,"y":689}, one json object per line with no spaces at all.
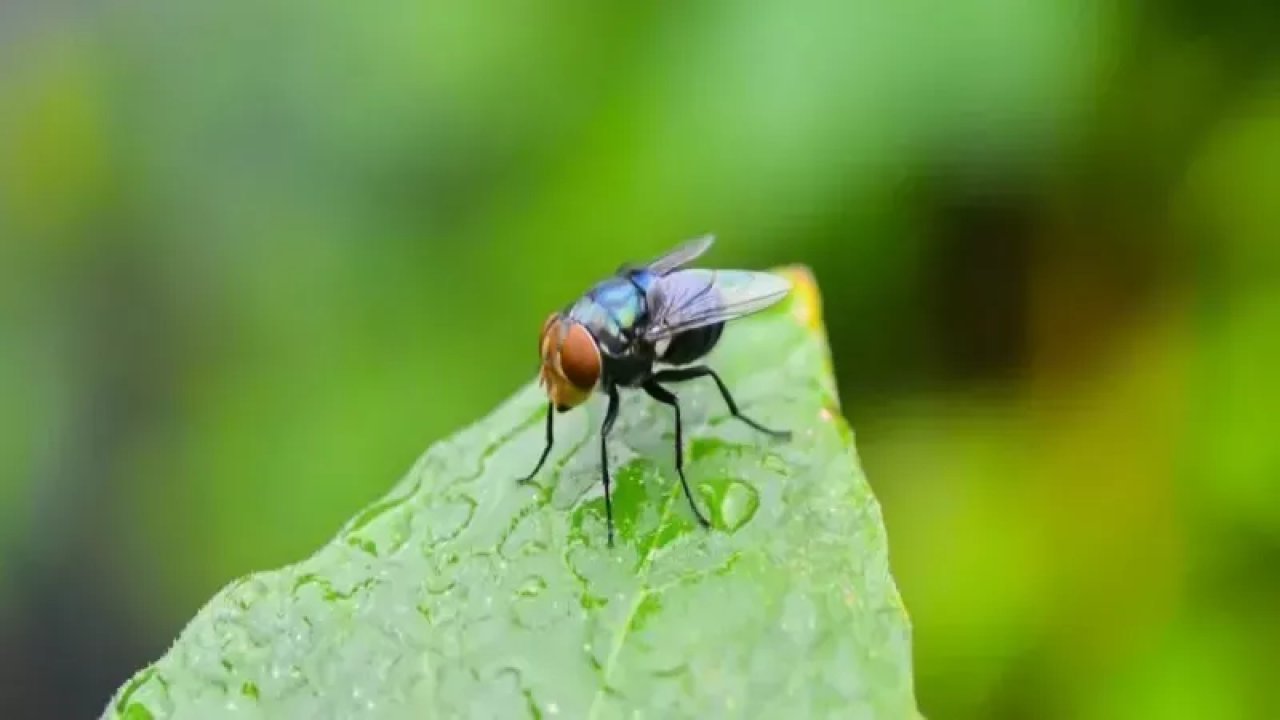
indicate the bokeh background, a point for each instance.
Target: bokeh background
{"x":256,"y":256}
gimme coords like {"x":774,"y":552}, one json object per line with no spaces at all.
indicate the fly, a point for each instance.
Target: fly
{"x":641,"y":328}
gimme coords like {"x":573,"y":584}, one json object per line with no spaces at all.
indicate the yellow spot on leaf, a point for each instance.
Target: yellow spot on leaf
{"x":806,"y":301}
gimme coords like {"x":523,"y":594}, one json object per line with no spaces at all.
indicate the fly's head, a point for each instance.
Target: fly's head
{"x":571,"y":362}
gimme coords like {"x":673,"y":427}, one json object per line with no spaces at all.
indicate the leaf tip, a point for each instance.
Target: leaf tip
{"x":806,"y":300}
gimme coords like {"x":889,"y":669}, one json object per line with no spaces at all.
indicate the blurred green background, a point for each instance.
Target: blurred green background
{"x":256,"y":256}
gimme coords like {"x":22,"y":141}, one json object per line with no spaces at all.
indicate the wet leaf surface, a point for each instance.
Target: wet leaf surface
{"x":463,"y":594}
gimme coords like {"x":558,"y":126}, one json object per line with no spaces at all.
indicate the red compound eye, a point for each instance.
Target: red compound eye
{"x":580,"y":358}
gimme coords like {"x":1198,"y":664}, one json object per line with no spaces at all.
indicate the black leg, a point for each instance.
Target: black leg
{"x":551,"y":411}
{"x":609,"y":416}
{"x":663,"y":395}
{"x":689,"y":373}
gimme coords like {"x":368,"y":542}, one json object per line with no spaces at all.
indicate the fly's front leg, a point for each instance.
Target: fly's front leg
{"x":547,"y":449}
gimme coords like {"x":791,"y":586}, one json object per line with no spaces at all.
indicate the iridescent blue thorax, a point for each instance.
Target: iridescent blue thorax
{"x":613,"y":308}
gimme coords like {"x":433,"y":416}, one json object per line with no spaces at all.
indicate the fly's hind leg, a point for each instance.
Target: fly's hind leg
{"x":690,"y":373}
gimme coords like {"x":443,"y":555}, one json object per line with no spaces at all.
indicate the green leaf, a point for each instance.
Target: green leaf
{"x":463,"y":594}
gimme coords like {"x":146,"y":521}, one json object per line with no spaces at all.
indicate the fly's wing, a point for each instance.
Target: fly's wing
{"x":681,"y":255}
{"x":691,"y":299}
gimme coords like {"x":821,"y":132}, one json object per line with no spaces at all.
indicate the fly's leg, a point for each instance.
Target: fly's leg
{"x":690,"y":373}
{"x":546,"y":450}
{"x":609,"y":416}
{"x":665,"y":396}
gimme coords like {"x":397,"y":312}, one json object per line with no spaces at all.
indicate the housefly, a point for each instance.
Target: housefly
{"x":645,"y":327}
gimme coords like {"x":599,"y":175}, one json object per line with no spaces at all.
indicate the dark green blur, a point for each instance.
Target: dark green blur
{"x":255,"y":257}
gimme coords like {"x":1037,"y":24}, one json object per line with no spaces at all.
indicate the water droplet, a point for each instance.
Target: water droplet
{"x":553,"y":709}
{"x":448,"y":518}
{"x":776,"y":464}
{"x":380,"y":508}
{"x":441,"y":574}
{"x":535,"y":608}
{"x":364,"y":544}
{"x":528,"y":534}
{"x":531,"y":586}
{"x":738,"y":505}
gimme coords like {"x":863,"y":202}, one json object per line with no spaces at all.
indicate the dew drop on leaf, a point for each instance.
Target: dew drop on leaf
{"x":533,"y":585}
{"x":738,"y":505}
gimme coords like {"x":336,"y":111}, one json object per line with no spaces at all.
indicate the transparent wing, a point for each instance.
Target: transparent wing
{"x":690,"y":299}
{"x":681,"y":255}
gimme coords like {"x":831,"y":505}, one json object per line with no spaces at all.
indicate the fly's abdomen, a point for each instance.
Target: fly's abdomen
{"x":691,"y":345}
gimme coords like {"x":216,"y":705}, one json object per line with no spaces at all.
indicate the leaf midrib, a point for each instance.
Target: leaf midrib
{"x":620,"y":636}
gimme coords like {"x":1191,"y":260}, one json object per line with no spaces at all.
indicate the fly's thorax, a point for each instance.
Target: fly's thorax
{"x":571,"y":362}
{"x":614,"y":309}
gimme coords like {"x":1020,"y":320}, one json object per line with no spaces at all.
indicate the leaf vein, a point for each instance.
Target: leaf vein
{"x":620,"y":637}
